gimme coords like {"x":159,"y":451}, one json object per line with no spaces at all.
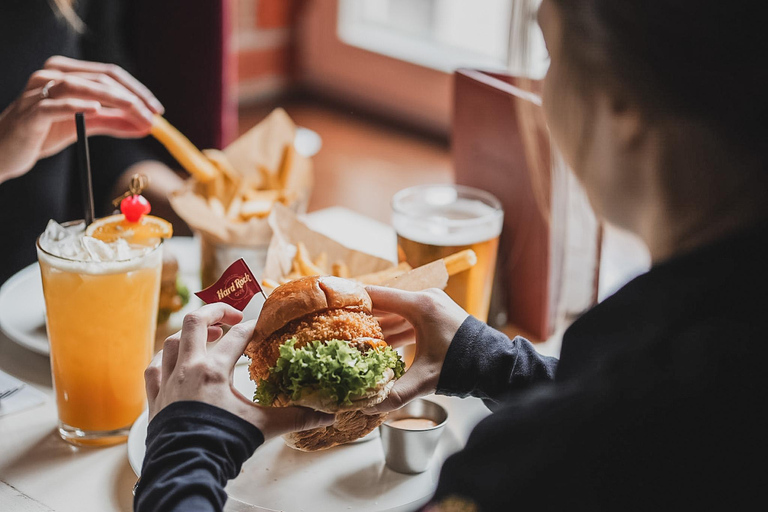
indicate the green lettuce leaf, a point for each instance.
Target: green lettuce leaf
{"x":335,"y":369}
{"x":183,"y":292}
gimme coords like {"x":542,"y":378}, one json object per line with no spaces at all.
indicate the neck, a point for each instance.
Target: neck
{"x":698,"y":196}
{"x":678,"y":237}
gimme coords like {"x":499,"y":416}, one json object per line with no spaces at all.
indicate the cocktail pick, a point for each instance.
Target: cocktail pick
{"x":132,"y":204}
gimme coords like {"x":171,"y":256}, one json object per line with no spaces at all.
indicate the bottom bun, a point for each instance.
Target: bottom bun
{"x":349,"y":426}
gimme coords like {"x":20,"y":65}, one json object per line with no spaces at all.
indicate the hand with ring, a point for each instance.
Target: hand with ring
{"x":40,"y":122}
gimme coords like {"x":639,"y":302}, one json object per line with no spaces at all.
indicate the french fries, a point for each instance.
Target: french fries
{"x":269,"y":283}
{"x":284,"y":174}
{"x":219,"y":159}
{"x":234,"y":208}
{"x":306,"y":267}
{"x":340,"y":269}
{"x":270,"y":180}
{"x":229,"y":194}
{"x":303,"y":265}
{"x":321,"y":261}
{"x":258,"y":203}
{"x":225,"y":189}
{"x":460,"y":261}
{"x":183,"y":150}
{"x":217,"y":207}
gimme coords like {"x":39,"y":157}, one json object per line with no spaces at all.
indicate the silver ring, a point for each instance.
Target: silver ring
{"x":46,"y":92}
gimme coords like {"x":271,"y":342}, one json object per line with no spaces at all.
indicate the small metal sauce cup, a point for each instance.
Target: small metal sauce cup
{"x":410,"y":451}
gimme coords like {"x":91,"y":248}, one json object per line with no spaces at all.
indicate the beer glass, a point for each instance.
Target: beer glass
{"x":101,"y":318}
{"x":434,"y":221}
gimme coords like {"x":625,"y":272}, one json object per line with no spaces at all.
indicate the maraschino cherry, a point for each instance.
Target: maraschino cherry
{"x":132,"y":204}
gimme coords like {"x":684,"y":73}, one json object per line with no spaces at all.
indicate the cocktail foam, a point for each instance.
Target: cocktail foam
{"x":77,"y":252}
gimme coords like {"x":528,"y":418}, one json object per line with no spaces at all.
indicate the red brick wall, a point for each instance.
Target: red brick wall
{"x":263,"y":43}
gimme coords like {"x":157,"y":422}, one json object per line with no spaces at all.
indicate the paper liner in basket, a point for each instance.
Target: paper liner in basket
{"x":263,"y":158}
{"x":288,"y":231}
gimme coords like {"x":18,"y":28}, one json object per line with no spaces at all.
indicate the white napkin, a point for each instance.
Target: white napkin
{"x":25,"y":398}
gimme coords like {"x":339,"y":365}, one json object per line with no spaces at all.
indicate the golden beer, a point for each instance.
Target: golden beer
{"x":434,"y":221}
{"x":470,"y":289}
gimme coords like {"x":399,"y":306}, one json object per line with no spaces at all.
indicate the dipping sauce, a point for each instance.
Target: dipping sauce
{"x":413,"y":423}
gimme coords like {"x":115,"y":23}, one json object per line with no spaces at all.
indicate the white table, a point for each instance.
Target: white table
{"x":40,"y":472}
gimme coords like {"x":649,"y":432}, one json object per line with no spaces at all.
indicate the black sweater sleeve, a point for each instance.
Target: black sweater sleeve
{"x":484,"y":363}
{"x":193,"y":449}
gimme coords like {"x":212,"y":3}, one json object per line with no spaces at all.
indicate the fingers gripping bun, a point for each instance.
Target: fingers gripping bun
{"x":305,"y":296}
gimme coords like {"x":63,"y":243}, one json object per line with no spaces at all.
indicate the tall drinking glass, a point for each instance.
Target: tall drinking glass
{"x":101,"y":318}
{"x":433,"y":221}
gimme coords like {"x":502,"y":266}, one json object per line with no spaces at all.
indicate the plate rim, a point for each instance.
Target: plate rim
{"x":134,"y":436}
{"x":135,"y":446}
{"x":9,"y":331}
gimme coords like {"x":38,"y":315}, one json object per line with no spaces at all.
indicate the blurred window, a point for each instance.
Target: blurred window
{"x":440,"y":34}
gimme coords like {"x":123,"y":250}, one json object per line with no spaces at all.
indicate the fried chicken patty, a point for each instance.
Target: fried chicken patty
{"x":355,"y":326}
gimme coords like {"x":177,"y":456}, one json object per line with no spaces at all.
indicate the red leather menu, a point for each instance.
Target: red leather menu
{"x":501,"y":144}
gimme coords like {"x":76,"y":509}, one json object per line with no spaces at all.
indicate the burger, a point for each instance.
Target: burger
{"x":174,"y":295}
{"x":318,"y":345}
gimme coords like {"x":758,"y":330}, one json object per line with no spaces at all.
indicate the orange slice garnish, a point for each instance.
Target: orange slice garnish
{"x":110,"y":229}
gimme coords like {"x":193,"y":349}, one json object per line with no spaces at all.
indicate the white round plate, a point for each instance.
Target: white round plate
{"x":349,"y":477}
{"x":22,"y":309}
{"x":22,"y":306}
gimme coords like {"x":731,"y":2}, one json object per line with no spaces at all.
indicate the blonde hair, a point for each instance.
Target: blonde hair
{"x":65,"y":9}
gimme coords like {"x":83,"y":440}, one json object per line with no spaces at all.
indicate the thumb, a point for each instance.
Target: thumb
{"x":407,"y":388}
{"x":282,"y":420}
{"x":391,"y":300}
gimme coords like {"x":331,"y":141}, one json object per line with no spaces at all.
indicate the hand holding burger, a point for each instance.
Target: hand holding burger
{"x":317,"y":344}
{"x":192,"y":367}
{"x":428,"y":318}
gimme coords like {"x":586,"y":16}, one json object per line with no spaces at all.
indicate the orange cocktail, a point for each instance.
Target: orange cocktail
{"x":101,"y":317}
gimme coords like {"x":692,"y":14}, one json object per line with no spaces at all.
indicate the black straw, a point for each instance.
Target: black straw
{"x":84,"y":164}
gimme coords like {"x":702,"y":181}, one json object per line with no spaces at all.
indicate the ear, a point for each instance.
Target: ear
{"x":628,"y":123}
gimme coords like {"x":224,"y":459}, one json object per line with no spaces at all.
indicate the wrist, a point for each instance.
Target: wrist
{"x":174,"y":414}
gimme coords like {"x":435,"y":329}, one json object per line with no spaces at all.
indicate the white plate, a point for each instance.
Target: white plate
{"x":22,"y":306}
{"x":22,"y":309}
{"x":350,"y":477}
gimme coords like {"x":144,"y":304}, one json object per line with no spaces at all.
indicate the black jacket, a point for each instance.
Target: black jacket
{"x":658,"y":402}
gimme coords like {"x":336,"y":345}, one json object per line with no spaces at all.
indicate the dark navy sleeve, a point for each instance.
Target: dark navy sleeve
{"x":484,"y":363}
{"x":193,"y":449}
